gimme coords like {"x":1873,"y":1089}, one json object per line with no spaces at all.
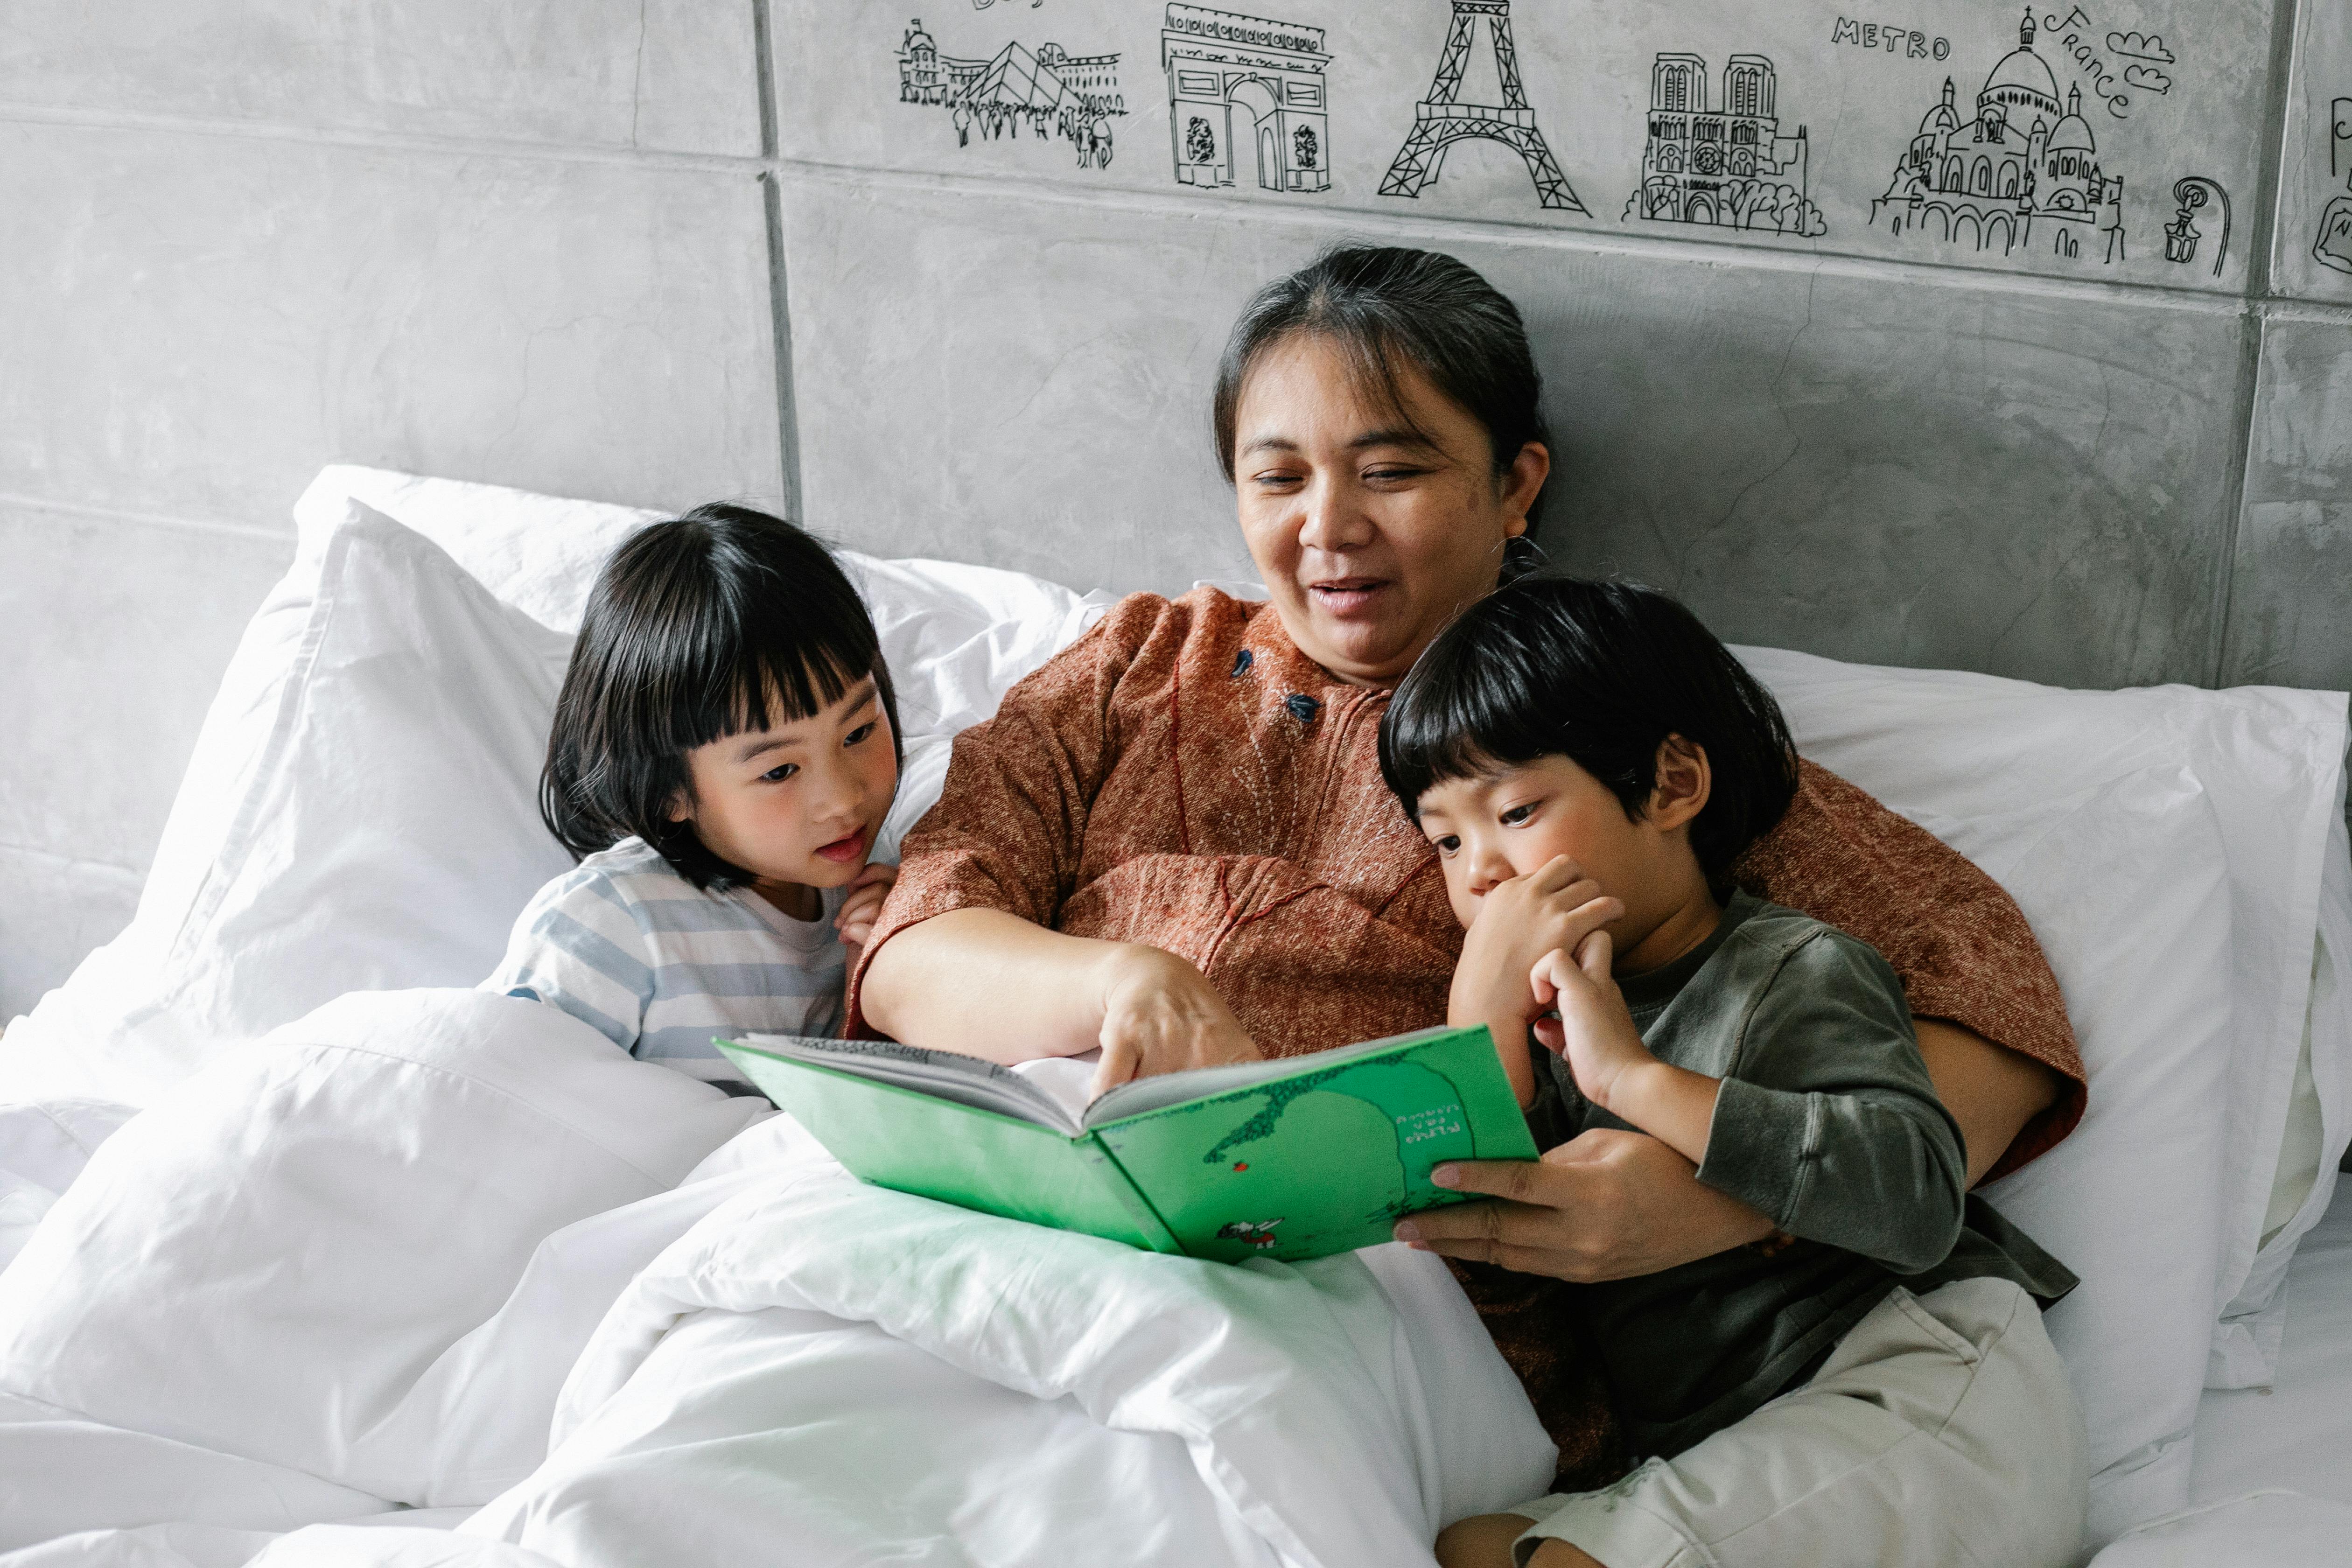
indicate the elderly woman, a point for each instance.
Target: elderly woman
{"x":1173,"y":843}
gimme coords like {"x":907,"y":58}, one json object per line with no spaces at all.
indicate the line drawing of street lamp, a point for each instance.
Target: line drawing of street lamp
{"x":2180,"y":237}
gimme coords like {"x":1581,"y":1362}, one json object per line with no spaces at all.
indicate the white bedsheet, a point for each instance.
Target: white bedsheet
{"x":2273,"y":1474}
{"x":2296,"y":1433}
{"x":443,"y":1250}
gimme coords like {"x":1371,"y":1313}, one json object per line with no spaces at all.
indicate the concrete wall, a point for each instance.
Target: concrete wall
{"x":661,"y":251}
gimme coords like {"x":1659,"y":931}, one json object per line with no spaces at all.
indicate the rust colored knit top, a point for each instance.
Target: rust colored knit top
{"x":1183,"y":775}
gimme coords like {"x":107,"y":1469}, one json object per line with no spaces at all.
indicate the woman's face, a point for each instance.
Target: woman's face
{"x":1370,"y":525}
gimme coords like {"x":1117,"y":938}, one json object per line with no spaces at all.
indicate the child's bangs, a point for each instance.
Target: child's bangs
{"x":767,"y":692}
{"x":772,"y":666}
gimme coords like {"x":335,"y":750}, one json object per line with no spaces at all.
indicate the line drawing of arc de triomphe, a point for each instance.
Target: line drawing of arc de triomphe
{"x":1245,"y":100}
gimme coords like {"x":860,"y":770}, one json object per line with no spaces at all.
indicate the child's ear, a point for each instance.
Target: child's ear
{"x":679,"y":809}
{"x":1685,"y":781}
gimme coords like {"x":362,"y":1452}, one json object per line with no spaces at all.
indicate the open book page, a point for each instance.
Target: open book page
{"x":1145,"y":1094}
{"x":1041,"y":1098}
{"x":1070,"y":1081}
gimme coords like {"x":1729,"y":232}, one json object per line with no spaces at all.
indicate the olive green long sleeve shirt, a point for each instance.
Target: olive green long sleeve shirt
{"x":1828,"y":1123}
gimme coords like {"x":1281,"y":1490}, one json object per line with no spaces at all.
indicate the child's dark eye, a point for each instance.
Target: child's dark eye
{"x":779,"y":774}
{"x":1447,"y":843}
{"x":1517,"y":815}
{"x":858,"y":735}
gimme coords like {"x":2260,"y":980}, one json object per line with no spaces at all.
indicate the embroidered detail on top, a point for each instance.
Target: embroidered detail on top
{"x":1302,"y":707}
{"x":1240,"y":661}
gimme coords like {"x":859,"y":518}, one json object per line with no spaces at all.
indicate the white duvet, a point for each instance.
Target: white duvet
{"x":444,"y":1251}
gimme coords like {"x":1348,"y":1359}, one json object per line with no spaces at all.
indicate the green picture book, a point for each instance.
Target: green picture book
{"x":1296,"y":1158}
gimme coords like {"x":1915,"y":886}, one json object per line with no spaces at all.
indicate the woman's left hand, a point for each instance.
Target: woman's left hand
{"x":1606,"y":1204}
{"x":864,"y":904}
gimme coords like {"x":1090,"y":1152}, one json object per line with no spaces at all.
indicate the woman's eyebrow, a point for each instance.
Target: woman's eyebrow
{"x":1393,"y":435}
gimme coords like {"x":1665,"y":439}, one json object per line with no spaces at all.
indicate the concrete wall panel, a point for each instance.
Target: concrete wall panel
{"x":219,"y":316}
{"x":2290,"y":604}
{"x":670,"y":74}
{"x":1927,"y":474}
{"x":1898,"y":472}
{"x":52,"y":912}
{"x":1042,"y":410}
{"x":122,"y":630}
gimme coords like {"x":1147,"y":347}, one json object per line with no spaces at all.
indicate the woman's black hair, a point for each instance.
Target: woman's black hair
{"x":1601,"y":673}
{"x":708,"y":625}
{"x":1383,"y":307}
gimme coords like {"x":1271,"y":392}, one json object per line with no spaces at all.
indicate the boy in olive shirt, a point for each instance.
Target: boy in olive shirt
{"x":1874,"y":1385}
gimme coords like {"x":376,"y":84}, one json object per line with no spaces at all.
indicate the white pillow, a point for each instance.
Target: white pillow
{"x":2271,"y":760}
{"x":381,"y":831}
{"x":361,"y":810}
{"x":540,"y":554}
{"x":955,"y":636}
{"x":2128,"y":888}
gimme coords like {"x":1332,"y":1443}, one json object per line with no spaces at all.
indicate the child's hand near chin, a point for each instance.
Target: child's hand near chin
{"x":864,"y":904}
{"x":1613,"y":1069}
{"x":1593,"y":1030}
{"x":1554,"y":907}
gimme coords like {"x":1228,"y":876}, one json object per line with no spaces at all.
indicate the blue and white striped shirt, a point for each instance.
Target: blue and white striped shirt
{"x":658,"y":965}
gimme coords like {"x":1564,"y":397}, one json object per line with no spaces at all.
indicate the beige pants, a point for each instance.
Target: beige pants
{"x":1941,"y":1433}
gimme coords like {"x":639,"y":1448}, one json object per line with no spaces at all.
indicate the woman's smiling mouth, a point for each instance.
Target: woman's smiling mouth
{"x":1346,"y":595}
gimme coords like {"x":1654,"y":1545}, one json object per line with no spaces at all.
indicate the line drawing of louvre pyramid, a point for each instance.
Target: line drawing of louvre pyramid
{"x":1016,"y":80}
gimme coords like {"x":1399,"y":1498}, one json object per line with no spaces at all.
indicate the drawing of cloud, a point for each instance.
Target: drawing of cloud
{"x":2141,"y":46}
{"x":2148,"y":78}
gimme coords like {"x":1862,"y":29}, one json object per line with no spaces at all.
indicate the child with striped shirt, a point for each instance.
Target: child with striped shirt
{"x":725,"y":748}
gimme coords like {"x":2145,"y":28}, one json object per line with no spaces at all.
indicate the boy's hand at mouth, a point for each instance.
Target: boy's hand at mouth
{"x":1613,"y":1069}
{"x":1554,"y":908}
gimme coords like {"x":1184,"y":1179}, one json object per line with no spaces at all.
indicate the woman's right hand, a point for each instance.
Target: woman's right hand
{"x":1160,"y":1014}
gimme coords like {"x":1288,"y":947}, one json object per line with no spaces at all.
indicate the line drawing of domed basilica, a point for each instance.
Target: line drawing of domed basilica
{"x":2023,"y":167}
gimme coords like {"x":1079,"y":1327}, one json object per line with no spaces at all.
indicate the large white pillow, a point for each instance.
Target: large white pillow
{"x":2126,"y":886}
{"x":361,"y":813}
{"x":1932,"y":742}
{"x":954,"y":635}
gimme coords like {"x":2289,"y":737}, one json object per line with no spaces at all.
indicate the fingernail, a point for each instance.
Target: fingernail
{"x":1446,"y":1176}
{"x":1406,"y":1231}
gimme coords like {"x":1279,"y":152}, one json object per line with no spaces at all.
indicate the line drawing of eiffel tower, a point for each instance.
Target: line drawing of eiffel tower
{"x":1441,"y":119}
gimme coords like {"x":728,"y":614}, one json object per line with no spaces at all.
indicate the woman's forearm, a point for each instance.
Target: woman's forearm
{"x":989,"y":983}
{"x":1991,"y":1093}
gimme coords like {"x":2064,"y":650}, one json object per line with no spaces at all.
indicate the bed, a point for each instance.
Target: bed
{"x":310,"y":1252}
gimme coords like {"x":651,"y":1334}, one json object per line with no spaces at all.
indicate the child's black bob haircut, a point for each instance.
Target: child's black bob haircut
{"x":720,"y":621}
{"x":1601,"y":673}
